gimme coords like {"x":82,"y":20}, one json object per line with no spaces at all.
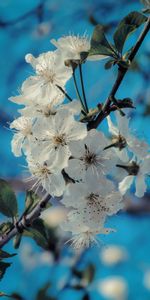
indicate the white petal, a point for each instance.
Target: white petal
{"x":145,"y":166}
{"x":76,"y":169}
{"x":16,"y":144}
{"x":123,"y":124}
{"x":112,"y":129}
{"x":140,"y":186}
{"x":96,"y":57}
{"x":122,"y":154}
{"x":125,"y":184}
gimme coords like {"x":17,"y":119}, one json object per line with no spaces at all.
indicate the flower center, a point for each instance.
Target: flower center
{"x":89,"y":157}
{"x":60,"y":140}
{"x":121,"y":142}
{"x":49,"y":75}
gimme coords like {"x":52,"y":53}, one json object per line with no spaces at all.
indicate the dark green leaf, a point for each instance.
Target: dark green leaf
{"x":99,"y":43}
{"x":38,"y":233}
{"x":4,"y":254}
{"x":17,"y":240}
{"x":83,"y":56}
{"x":127,"y":26}
{"x":109,"y":64}
{"x":8,"y":202}
{"x":3,"y":268}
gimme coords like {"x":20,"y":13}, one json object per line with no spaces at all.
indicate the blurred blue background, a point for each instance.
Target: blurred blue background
{"x":26,"y":26}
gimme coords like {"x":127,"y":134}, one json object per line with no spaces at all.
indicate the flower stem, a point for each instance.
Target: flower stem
{"x":77,"y":91}
{"x":83,"y":89}
{"x":62,"y":90}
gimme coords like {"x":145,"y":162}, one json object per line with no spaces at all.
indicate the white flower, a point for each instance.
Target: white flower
{"x":114,"y":288}
{"x":54,"y":136}
{"x":50,"y":71}
{"x":89,"y":156}
{"x":94,"y":198}
{"x":71,"y":46}
{"x":46,"y":175}
{"x":113,"y":255}
{"x":124,"y":140}
{"x":88,"y":238}
{"x":50,"y":109}
{"x":23,"y":133}
{"x":139,"y":171}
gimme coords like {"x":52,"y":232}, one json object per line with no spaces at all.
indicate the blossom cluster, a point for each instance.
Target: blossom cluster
{"x":66,"y":159}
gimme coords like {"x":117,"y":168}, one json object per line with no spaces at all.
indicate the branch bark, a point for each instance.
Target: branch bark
{"x":121,"y":74}
{"x":24,"y":222}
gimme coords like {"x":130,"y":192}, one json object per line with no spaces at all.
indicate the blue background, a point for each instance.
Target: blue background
{"x":27,"y":27}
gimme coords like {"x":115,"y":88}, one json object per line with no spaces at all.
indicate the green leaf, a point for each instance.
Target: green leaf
{"x":83,"y":56}
{"x":127,"y":26}
{"x":4,"y":254}
{"x":8,"y":202}
{"x":31,"y":200}
{"x":109,"y":64}
{"x":4,"y":227}
{"x":38,"y":233}
{"x":99,"y":43}
{"x":17,"y":240}
{"x":3,"y":268}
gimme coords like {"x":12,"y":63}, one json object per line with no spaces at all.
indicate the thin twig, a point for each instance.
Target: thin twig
{"x":121,"y":74}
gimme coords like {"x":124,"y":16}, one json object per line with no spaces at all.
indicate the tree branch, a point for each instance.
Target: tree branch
{"x":121,"y":74}
{"x":24,"y":222}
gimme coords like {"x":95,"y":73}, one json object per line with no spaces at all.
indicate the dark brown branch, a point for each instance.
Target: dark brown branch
{"x":121,"y":74}
{"x":24,"y":222}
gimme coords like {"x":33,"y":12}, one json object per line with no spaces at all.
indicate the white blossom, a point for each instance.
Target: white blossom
{"x":113,"y":255}
{"x":71,"y":46}
{"x":88,"y":238}
{"x":50,"y":71}
{"x":54,"y":136}
{"x":88,"y":156}
{"x":45,"y":174}
{"x":114,"y":288}
{"x":94,"y":198}
{"x":124,"y":140}
{"x":23,"y":132}
{"x":140,"y":171}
